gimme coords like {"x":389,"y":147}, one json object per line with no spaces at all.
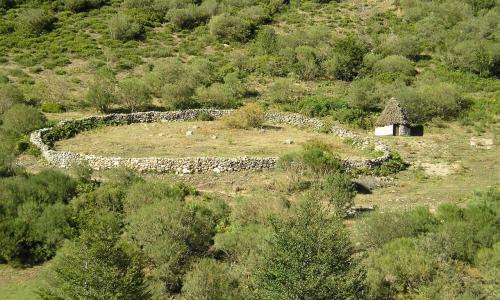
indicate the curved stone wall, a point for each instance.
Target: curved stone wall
{"x":63,"y":159}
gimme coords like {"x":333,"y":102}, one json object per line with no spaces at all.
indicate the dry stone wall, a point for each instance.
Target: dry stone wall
{"x":64,"y":159}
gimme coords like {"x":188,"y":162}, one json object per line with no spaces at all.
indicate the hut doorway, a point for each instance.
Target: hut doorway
{"x":395,"y":129}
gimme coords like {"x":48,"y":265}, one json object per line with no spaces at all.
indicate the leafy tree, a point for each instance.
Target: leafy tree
{"x":21,"y":119}
{"x":134,"y":94}
{"x":101,"y":93}
{"x":96,"y":265}
{"x":309,"y":258}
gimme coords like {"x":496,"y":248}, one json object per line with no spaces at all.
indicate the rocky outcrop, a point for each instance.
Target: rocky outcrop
{"x":63,"y":159}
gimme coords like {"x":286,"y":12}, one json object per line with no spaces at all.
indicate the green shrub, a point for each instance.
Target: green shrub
{"x":22,"y":119}
{"x":36,"y":20}
{"x":133,"y":94}
{"x":124,"y":27}
{"x":396,"y":65}
{"x":34,"y":218}
{"x":51,"y":107}
{"x":249,"y":116}
{"x":364,"y":94}
{"x":388,"y":277}
{"x":209,"y":279}
{"x":432,"y":100}
{"x":188,"y":17}
{"x":83,"y":5}
{"x":378,"y":228}
{"x":306,"y":64}
{"x":309,"y":258}
{"x":479,"y":56}
{"x":346,"y":59}
{"x":9,"y":95}
{"x":217,"y":96}
{"x":339,"y":190}
{"x":392,"y":44}
{"x":282,"y":91}
{"x":99,"y":261}
{"x":230,"y":28}
{"x":101,"y":92}
{"x":318,"y":106}
{"x":266,"y":41}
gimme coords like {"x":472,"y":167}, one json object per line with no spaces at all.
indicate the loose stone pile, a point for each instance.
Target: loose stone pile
{"x":64,"y":159}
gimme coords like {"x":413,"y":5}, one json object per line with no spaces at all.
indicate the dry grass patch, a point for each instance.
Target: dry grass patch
{"x":207,"y":139}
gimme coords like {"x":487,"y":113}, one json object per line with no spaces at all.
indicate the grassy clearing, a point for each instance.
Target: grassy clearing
{"x":19,"y":283}
{"x":208,"y":139}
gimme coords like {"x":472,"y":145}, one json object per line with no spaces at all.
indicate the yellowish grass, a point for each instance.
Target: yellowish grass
{"x":208,"y":139}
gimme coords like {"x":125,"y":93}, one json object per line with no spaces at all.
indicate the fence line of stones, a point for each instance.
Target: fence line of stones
{"x":64,"y":159}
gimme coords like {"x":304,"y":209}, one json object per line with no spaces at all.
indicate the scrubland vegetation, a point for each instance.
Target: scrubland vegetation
{"x":121,"y":235}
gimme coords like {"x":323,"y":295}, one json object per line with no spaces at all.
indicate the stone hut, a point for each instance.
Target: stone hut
{"x":393,"y":120}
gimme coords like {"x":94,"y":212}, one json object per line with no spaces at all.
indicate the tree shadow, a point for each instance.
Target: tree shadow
{"x":361,"y":188}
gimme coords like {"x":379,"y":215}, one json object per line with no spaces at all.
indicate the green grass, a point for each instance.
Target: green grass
{"x":19,"y":284}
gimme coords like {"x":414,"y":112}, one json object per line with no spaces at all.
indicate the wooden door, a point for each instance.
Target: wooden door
{"x":395,"y":129}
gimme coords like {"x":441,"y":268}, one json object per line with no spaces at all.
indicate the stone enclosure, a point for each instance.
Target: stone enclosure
{"x":188,"y":165}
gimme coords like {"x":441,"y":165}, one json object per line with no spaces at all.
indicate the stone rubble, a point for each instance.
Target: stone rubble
{"x":190,"y":165}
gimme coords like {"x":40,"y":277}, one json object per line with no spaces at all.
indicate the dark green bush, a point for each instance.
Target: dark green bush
{"x":318,"y":106}
{"x":364,"y":94}
{"x":34,"y":218}
{"x":134,"y":94}
{"x":346,"y":59}
{"x":309,"y":258}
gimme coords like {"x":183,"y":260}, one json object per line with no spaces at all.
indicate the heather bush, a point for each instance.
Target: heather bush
{"x":230,"y":28}
{"x":9,"y":95}
{"x":36,"y":20}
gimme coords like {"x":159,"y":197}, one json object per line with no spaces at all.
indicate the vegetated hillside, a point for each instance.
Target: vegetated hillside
{"x":270,"y":235}
{"x":345,"y":59}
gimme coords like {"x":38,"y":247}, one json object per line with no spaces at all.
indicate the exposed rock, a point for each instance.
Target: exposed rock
{"x":189,"y":132}
{"x":289,"y":142}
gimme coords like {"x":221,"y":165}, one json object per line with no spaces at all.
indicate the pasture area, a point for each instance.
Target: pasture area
{"x":208,"y":138}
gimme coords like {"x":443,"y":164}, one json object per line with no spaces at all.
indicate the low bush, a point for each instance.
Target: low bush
{"x":83,"y":5}
{"x":249,"y":116}
{"x":339,"y":191}
{"x":282,"y":91}
{"x":432,"y":100}
{"x":378,"y":228}
{"x":51,"y":107}
{"x":209,"y":279}
{"x":9,"y":95}
{"x":217,"y":96}
{"x":188,"y":17}
{"x":230,"y":28}
{"x":394,"y":65}
{"x":36,"y":20}
{"x":364,"y":94}
{"x":124,"y":27}
{"x":101,"y":92}
{"x":387,"y":277}
{"x":22,"y":119}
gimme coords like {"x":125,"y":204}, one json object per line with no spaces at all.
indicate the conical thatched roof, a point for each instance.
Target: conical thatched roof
{"x":393,"y":114}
